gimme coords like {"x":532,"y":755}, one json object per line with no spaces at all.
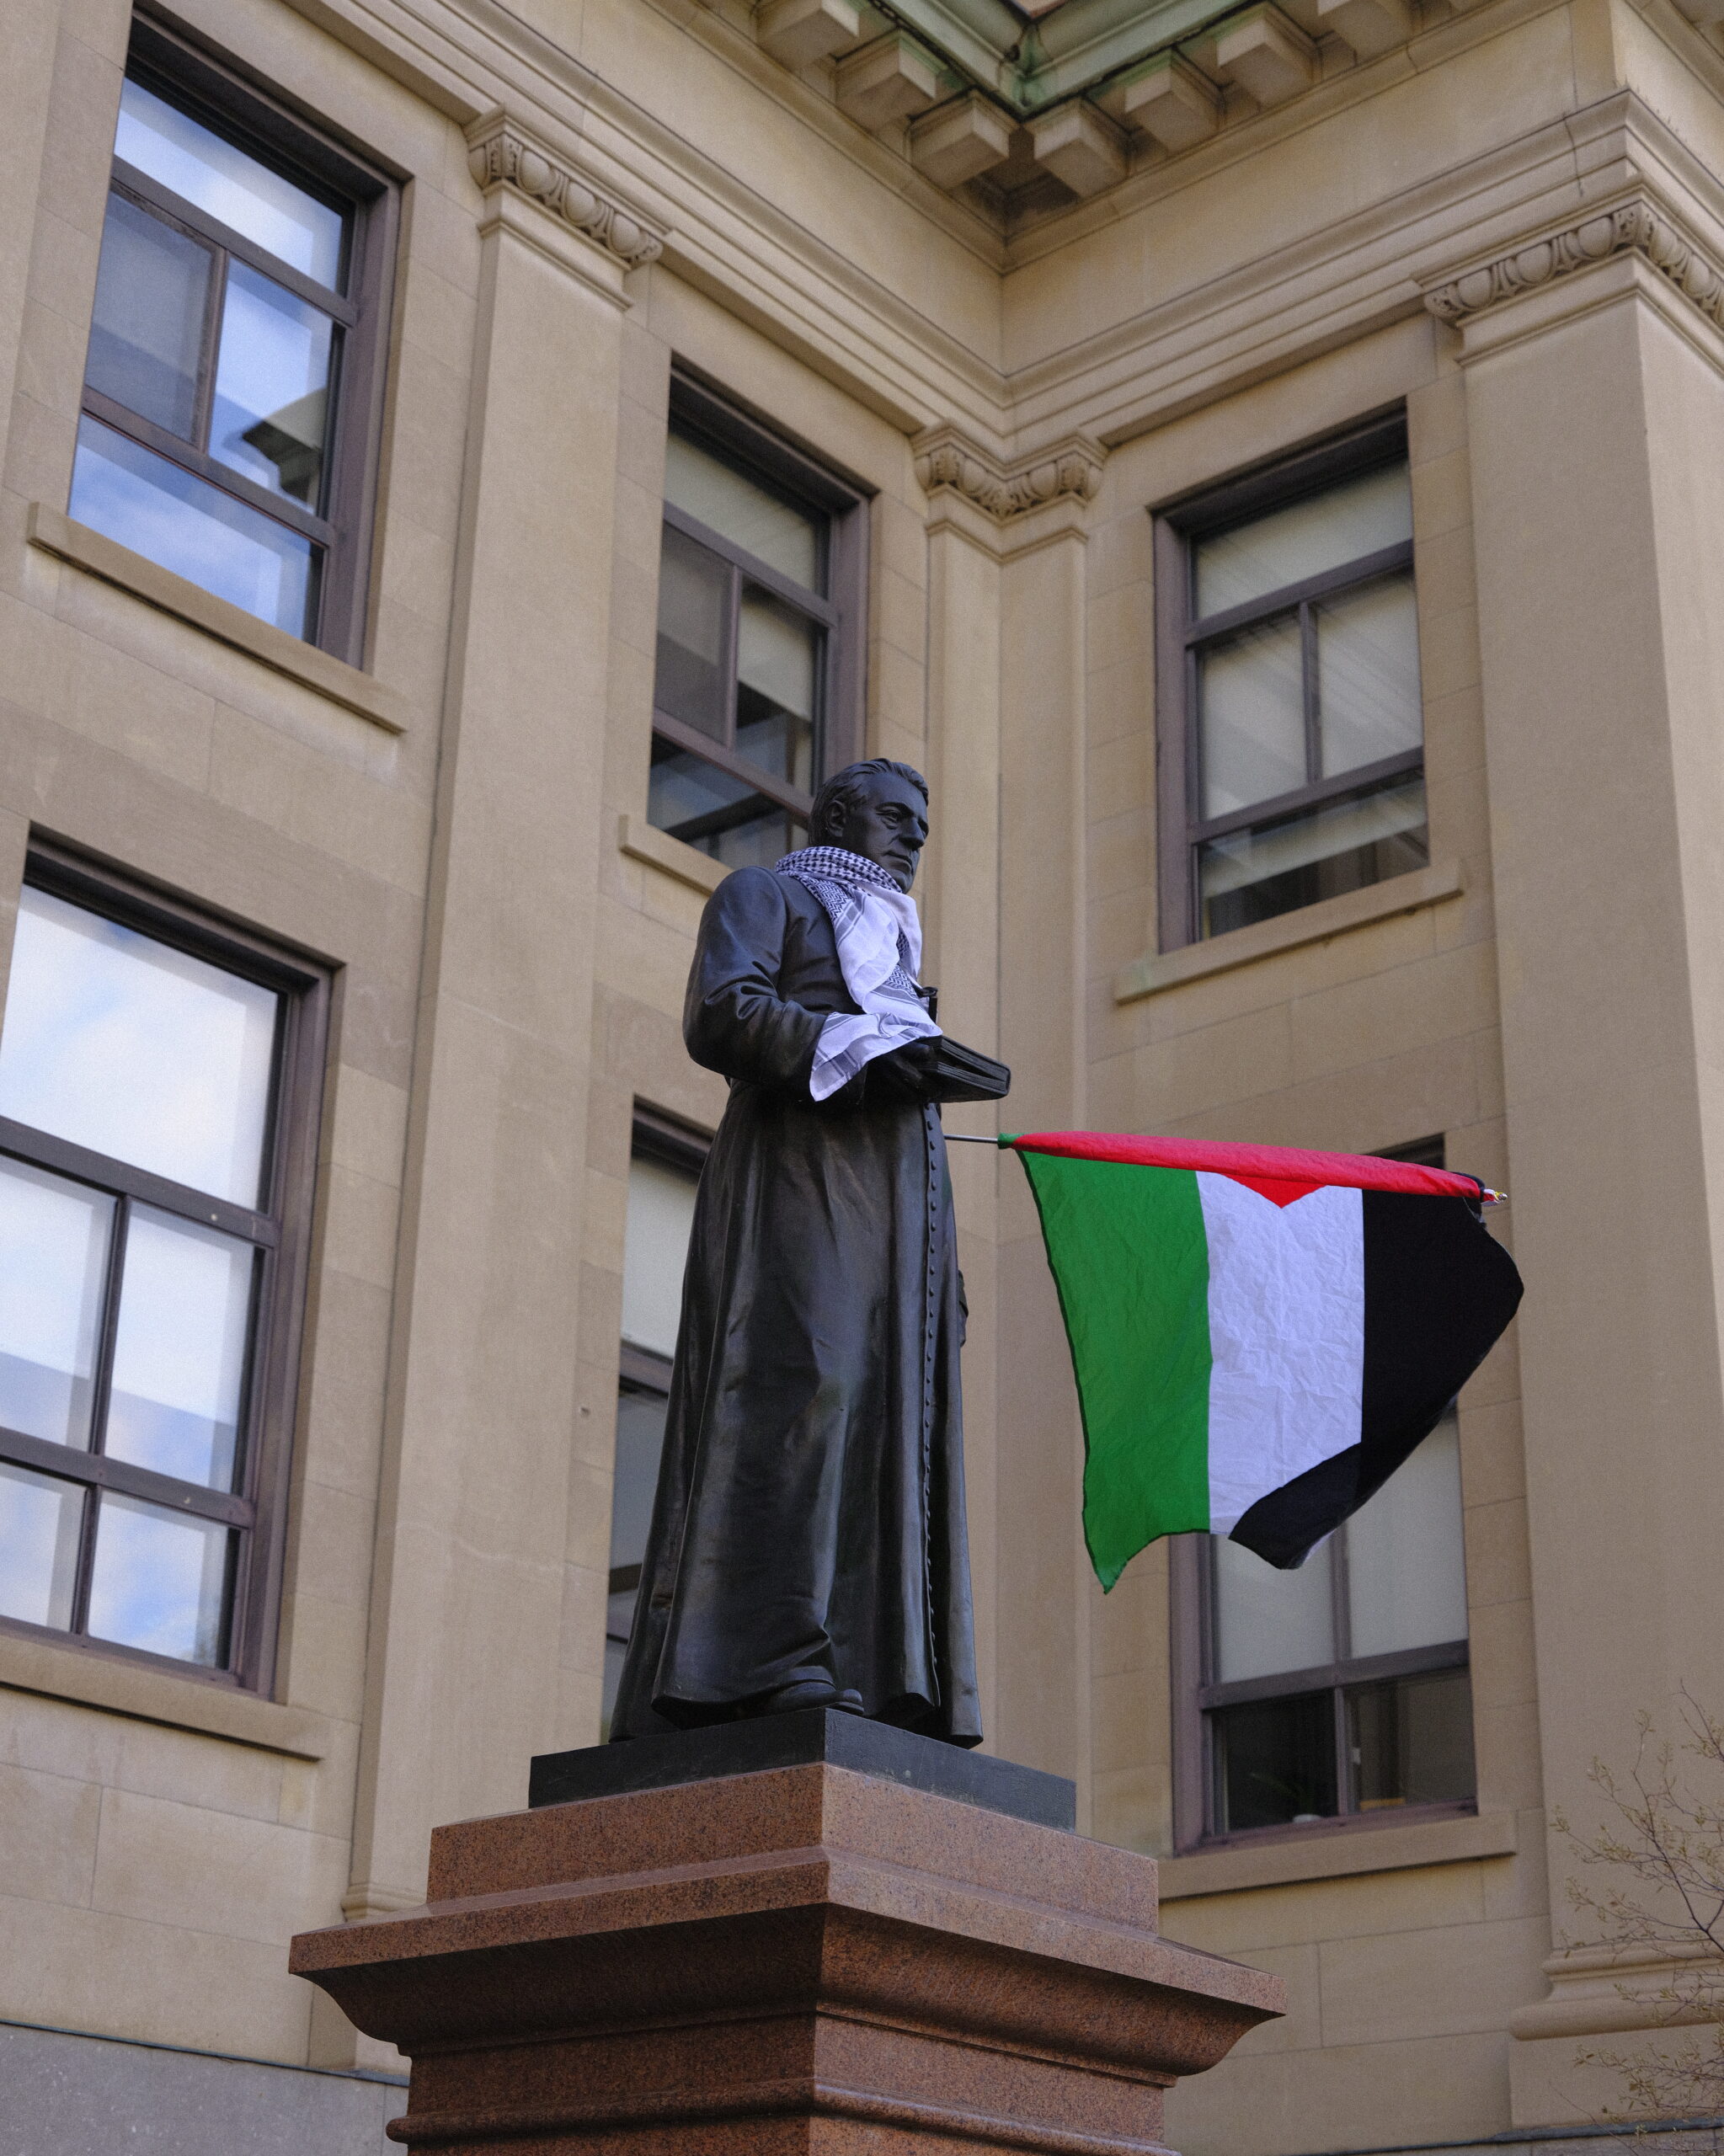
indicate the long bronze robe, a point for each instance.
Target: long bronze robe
{"x":809,"y":1516}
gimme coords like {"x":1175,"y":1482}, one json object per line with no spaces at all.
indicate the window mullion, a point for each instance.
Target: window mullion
{"x":1326,"y":583}
{"x":114,"y":1287}
{"x":1345,"y":1805}
{"x":213,"y":234}
{"x":280,"y":508}
{"x":1364,"y":778}
{"x":100,"y":1390}
{"x":732,"y":638}
{"x":1312,"y":694}
{"x":215,"y":310}
{"x":1341,"y":1604}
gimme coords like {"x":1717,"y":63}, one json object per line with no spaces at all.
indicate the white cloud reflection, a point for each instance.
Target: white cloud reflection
{"x":119,"y":1042}
{"x":159,"y":1582}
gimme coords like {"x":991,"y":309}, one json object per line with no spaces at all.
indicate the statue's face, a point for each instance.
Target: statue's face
{"x":889,"y":827}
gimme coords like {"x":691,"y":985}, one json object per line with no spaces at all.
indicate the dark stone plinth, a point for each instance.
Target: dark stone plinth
{"x":801,"y":1961}
{"x":812,"y":1738}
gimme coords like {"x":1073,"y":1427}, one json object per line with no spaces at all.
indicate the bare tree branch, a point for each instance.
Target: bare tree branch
{"x":1662,"y":1851}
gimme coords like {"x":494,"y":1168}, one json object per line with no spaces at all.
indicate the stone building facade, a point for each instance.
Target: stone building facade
{"x":467,"y":468}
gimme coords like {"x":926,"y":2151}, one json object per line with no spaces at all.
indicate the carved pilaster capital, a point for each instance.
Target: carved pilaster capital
{"x":1069,"y":470}
{"x":1637,"y":226}
{"x":501,"y":153}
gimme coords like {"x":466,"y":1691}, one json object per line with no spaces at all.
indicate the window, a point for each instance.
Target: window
{"x":662,"y":1178}
{"x":1292,"y":748}
{"x":1339,"y":1690}
{"x":229,"y":390}
{"x":156,"y":1147}
{"x":758,"y":680}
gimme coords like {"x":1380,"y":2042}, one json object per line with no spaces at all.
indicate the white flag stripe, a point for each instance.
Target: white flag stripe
{"x":1287,"y":1338}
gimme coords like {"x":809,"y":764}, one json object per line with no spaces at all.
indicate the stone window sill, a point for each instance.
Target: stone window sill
{"x":301,"y":662}
{"x":1265,"y":939}
{"x":91,"y":1679}
{"x":1347,"y":1853}
{"x":640,"y":841}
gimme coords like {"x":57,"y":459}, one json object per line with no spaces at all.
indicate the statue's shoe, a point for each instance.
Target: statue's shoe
{"x":809,"y":1692}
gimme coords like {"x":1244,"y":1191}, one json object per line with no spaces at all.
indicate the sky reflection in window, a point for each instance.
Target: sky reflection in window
{"x":120,"y":1044}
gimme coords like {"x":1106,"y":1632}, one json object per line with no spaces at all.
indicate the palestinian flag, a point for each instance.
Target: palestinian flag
{"x":1261,"y":1336}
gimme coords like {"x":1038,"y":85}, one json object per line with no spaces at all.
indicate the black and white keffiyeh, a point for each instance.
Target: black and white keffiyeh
{"x":879,"y":953}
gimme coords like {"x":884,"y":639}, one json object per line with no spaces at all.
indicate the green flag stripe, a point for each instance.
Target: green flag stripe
{"x":1130,"y":1259}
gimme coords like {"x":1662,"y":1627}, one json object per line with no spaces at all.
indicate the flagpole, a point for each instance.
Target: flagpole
{"x":963,"y":1138}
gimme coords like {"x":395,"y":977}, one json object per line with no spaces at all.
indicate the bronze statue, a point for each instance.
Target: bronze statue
{"x":808,"y":1545}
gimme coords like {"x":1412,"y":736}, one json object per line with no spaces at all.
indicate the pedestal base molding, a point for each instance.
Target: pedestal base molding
{"x":809,"y":1959}
{"x":751,"y":2112}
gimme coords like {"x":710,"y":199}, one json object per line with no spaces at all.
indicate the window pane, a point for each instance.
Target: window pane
{"x":272,"y":386}
{"x":152,"y":289}
{"x":740,"y":510}
{"x":129,"y":495}
{"x":53,"y":1261}
{"x":40,"y":1519}
{"x":720,"y":815}
{"x":1251,"y":717}
{"x":1411,"y":1741}
{"x":1367,"y":675}
{"x":1304,"y":539}
{"x":655,"y":1251}
{"x":1405,"y":1567}
{"x":179,"y":1349}
{"x":160,"y":1581}
{"x":1253,"y":875}
{"x":1268,"y":1621}
{"x":640,"y":1439}
{"x":691,"y":682}
{"x":119,"y":1042}
{"x":228,"y":185}
{"x":777,"y":674}
{"x":1275,"y":1763}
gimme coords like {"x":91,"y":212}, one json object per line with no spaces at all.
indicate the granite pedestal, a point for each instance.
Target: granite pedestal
{"x":814,"y":1935}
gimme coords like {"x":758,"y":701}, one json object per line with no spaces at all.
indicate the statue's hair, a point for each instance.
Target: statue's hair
{"x":848,"y":788}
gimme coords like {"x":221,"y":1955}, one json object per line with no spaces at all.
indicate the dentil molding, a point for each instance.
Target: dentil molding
{"x":502,"y":152}
{"x":1634,"y":227}
{"x":1070,"y":471}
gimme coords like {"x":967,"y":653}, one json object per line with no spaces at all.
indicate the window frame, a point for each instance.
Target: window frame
{"x":281,"y":1230}
{"x":718,"y":424}
{"x":1181,"y":636}
{"x":221,"y":96}
{"x":1190,"y":1608}
{"x":655,"y":1136}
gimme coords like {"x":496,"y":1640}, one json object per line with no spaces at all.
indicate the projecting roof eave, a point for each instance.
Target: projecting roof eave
{"x":1073,"y":46}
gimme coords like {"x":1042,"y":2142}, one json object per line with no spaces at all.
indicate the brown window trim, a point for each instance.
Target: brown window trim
{"x":282,"y":1230}
{"x":657,"y":1136}
{"x":1181,"y":826}
{"x":1191,"y":1657}
{"x":221,"y":95}
{"x":660,"y":1136}
{"x":717,"y":421}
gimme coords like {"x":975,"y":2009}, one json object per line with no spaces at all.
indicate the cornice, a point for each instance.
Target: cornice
{"x":501,"y":153}
{"x":762,"y":260}
{"x":946,"y":459}
{"x":1638,"y":227}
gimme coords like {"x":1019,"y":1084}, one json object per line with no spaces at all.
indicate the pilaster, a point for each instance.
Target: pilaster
{"x":1595,"y":397}
{"x":1005,"y":545}
{"x":482,"y":1575}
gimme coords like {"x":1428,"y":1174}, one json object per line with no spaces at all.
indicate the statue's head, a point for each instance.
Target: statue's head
{"x":878,"y":809}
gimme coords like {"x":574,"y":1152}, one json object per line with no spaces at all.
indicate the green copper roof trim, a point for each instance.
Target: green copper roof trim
{"x":1027,"y":67}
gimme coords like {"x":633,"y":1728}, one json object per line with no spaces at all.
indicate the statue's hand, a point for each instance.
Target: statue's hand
{"x":903,"y":1074}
